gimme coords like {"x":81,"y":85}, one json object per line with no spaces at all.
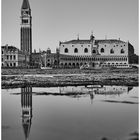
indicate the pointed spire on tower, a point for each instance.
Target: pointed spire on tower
{"x":26,"y":128}
{"x":91,"y":36}
{"x":25,"y":4}
{"x":78,"y":37}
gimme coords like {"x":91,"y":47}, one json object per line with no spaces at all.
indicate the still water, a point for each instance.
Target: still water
{"x":69,"y":113}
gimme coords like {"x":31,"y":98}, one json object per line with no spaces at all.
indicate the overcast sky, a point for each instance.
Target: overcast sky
{"x":61,"y":20}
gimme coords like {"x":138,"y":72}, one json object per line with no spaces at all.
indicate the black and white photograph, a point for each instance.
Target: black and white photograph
{"x":69,"y":70}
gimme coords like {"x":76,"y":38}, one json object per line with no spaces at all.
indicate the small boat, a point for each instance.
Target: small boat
{"x":46,"y":68}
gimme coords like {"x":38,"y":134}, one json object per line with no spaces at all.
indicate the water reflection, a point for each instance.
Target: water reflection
{"x":64,"y":117}
{"x":74,"y":92}
{"x":96,"y":89}
{"x":26,"y":104}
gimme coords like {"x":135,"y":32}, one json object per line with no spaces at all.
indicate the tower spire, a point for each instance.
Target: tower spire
{"x":78,"y":37}
{"x":25,"y":4}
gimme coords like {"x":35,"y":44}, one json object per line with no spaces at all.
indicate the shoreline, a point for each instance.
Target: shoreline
{"x":59,"y":78}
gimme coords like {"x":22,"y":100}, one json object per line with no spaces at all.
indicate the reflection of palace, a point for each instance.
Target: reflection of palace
{"x":96,"y":89}
{"x":26,"y":104}
{"x":112,"y":90}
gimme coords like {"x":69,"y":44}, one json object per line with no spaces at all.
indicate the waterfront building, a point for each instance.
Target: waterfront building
{"x":92,"y":52}
{"x":36,"y":59}
{"x":13,"y":57}
{"x":50,"y":59}
{"x":95,"y":53}
{"x":26,"y":29}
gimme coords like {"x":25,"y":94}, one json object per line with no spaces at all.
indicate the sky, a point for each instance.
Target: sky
{"x":63,"y":20}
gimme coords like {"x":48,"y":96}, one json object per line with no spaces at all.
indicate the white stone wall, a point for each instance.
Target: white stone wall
{"x":71,"y":48}
{"x":116,"y":47}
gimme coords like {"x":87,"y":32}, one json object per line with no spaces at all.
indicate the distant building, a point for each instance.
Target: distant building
{"x":36,"y":60}
{"x":50,"y":59}
{"x":13,"y":57}
{"x":94,"y":53}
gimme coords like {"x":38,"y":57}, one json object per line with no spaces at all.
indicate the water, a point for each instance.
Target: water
{"x":69,"y":113}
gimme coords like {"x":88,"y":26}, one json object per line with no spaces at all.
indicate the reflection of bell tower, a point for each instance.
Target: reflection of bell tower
{"x":26,"y":29}
{"x":26,"y":104}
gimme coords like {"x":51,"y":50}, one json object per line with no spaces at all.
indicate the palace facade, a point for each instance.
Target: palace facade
{"x":92,"y":52}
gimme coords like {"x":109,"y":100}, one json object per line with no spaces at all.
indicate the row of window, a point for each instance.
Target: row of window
{"x":111,"y":51}
{"x":94,"y":51}
{"x":75,"y":50}
{"x":10,"y":57}
{"x":94,"y":59}
{"x":116,"y":45}
{"x":90,"y":45}
{"x":9,"y":65}
{"x":115,"y":63}
{"x":93,"y":64}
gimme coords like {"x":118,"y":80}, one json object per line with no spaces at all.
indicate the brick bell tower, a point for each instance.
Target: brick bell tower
{"x":26,"y":30}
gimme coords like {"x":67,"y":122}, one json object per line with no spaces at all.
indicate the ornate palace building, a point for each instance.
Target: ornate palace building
{"x":92,"y":52}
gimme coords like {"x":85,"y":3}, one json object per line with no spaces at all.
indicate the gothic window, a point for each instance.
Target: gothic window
{"x":111,"y":51}
{"x":77,"y":64}
{"x":14,"y":64}
{"x":14,"y":57}
{"x":94,"y":51}
{"x":75,"y":50}
{"x":66,"y":50}
{"x":102,"y":50}
{"x":85,"y":50}
{"x":122,"y":51}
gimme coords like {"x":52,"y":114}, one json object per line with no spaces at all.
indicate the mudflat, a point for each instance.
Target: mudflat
{"x":12,"y":78}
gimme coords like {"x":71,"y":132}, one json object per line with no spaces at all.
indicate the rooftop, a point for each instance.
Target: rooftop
{"x":25,"y":4}
{"x":11,"y":48}
{"x":109,"y":41}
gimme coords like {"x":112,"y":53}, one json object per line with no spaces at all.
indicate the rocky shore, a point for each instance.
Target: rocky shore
{"x":12,"y":78}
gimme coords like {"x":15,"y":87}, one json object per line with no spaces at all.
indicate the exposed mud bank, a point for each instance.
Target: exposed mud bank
{"x":54,"y":80}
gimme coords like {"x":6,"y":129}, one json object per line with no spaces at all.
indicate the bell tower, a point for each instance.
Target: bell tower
{"x":26,"y":29}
